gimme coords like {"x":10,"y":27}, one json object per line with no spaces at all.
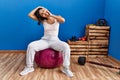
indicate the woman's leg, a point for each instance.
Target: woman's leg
{"x":65,"y":49}
{"x":31,"y":50}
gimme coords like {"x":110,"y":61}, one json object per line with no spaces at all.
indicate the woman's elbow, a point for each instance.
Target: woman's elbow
{"x":29,"y":15}
{"x":62,"y":20}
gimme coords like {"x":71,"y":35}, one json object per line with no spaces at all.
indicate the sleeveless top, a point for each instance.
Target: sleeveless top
{"x":51,"y":30}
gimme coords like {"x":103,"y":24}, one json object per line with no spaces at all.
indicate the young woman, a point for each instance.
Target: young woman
{"x":49,"y":40}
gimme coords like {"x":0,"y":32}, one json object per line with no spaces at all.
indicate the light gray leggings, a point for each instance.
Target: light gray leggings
{"x":43,"y":44}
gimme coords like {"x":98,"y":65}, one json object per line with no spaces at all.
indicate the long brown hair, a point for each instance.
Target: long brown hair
{"x":39,"y":17}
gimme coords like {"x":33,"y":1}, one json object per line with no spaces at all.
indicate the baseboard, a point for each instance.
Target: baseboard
{"x":117,"y":61}
{"x":12,"y":51}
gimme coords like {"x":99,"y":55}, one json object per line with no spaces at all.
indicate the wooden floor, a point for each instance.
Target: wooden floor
{"x":11,"y":64}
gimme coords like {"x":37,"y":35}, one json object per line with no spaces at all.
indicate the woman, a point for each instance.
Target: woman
{"x":49,"y":40}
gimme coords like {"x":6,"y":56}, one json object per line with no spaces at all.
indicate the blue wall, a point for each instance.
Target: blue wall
{"x":112,"y":14}
{"x":17,"y":30}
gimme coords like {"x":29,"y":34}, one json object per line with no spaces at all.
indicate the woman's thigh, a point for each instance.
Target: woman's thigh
{"x":59,"y":45}
{"x":39,"y":45}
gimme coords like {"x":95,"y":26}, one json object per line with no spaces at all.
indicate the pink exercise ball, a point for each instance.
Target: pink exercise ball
{"x":48,"y":58}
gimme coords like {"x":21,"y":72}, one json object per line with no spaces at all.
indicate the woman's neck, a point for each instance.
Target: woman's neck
{"x":50,"y":20}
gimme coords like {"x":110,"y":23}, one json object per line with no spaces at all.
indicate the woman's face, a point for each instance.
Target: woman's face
{"x":44,"y":13}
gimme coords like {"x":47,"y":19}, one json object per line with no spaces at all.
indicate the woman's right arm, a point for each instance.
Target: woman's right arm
{"x":31,"y":14}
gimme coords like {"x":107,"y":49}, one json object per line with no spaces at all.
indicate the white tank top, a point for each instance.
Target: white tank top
{"x":51,"y":30}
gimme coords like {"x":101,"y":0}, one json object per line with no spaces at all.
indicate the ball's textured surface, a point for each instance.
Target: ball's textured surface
{"x":48,"y":58}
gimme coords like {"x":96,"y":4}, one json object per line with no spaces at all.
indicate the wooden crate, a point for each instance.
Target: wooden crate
{"x":98,"y":39}
{"x":92,"y":47}
{"x":78,"y":47}
{"x":98,"y":47}
{"x":96,"y":44}
{"x":97,"y":32}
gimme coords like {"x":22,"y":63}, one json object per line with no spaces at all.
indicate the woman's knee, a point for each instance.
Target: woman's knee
{"x":31,"y":45}
{"x":66,"y":47}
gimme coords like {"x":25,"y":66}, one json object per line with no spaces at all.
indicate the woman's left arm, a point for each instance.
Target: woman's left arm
{"x":58,"y":18}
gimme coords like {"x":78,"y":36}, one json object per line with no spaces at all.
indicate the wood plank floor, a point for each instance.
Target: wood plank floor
{"x":11,"y":64}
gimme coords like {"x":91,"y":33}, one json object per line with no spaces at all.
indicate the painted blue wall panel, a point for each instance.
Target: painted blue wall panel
{"x":17,"y":30}
{"x":112,"y":14}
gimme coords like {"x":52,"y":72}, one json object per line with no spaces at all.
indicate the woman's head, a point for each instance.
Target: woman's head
{"x":44,"y":12}
{"x":41,"y":14}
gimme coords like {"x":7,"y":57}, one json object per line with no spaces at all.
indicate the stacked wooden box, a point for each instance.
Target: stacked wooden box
{"x":97,"y":41}
{"x":78,"y":47}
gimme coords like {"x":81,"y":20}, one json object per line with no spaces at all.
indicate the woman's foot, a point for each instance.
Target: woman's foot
{"x":26,"y":70}
{"x":67,"y":72}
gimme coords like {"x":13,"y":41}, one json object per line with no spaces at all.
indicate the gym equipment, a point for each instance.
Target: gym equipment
{"x":74,"y":38}
{"x":82,"y":61}
{"x":101,"y":22}
{"x":48,"y":58}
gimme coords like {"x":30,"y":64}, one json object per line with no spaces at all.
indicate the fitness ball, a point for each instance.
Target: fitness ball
{"x":48,"y":58}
